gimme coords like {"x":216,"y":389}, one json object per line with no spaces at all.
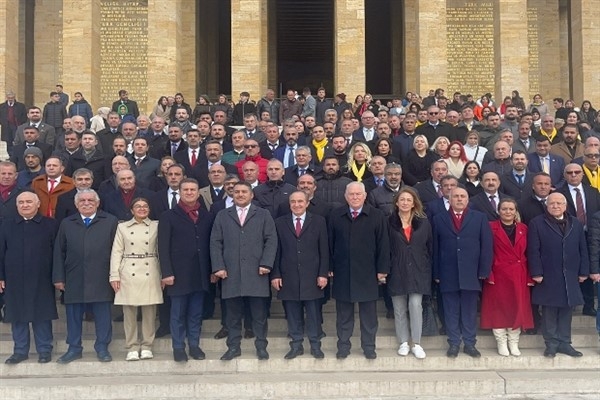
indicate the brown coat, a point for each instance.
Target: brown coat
{"x":561,"y":150}
{"x":48,"y":200}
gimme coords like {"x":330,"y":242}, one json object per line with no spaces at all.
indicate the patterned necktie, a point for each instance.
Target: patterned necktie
{"x":298,"y":226}
{"x":87,"y":221}
{"x":290,"y":158}
{"x":173,"y":200}
{"x":354,"y":214}
{"x":520,"y":179}
{"x":194,"y":159}
{"x":173,"y":149}
{"x":579,"y":204}
{"x":493,"y":203}
{"x":439,"y":191}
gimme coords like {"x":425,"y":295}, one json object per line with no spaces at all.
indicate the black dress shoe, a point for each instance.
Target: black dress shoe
{"x":162,"y":332}
{"x":104,"y":356}
{"x":222,"y":333}
{"x":262,"y":354}
{"x":248,"y":334}
{"x":370,"y":354}
{"x":317,"y":353}
{"x":16,"y":358}
{"x":68,"y":357}
{"x":590,"y":311}
{"x":568,"y":350}
{"x":342,"y":354}
{"x":532,"y":331}
{"x":322,"y":335}
{"x":472,"y":351}
{"x":197,"y":354}
{"x":453,"y":351}
{"x":44,"y":358}
{"x":179,"y":355}
{"x":549,"y":353}
{"x":231,"y":354}
{"x":293,"y":353}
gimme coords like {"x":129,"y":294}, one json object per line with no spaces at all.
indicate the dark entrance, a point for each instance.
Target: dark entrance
{"x":304,"y":35}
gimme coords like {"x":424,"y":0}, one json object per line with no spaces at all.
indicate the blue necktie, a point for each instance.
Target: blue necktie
{"x":87,"y":221}
{"x":290,"y":158}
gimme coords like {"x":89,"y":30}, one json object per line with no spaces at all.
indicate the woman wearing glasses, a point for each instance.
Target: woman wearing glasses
{"x":135,"y":277}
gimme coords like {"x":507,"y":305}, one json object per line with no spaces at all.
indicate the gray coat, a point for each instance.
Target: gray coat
{"x":240,"y":250}
{"x":82,"y":258}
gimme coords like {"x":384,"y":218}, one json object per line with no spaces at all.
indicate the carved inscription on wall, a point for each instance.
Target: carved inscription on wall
{"x":470,"y":32}
{"x":123,"y":49}
{"x":534,"y":61}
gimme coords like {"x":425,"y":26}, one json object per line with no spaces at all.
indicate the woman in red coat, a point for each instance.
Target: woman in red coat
{"x":505,"y":301}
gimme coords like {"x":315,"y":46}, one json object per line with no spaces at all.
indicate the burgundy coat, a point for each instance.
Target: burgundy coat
{"x":506,"y":303}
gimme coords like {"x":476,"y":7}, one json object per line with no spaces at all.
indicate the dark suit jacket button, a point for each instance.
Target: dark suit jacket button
{"x":133,"y":274}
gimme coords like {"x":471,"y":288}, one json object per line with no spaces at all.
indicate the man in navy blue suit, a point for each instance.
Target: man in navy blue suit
{"x":543,"y":161}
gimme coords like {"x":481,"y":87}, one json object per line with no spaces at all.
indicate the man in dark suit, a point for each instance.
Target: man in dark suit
{"x":462,"y":240}
{"x":273,"y":142}
{"x":216,"y":190}
{"x":274,"y":192}
{"x":118,"y":202}
{"x":143,"y":166}
{"x":213,"y":152}
{"x":157,"y":138}
{"x":90,"y":157}
{"x":368,"y":130}
{"x":434,"y":128}
{"x":303,"y":166}
{"x":184,"y":250}
{"x":300,"y":273}
{"x":517,"y":183}
{"x":12,"y":114}
{"x":107,"y":135}
{"x":130,"y":107}
{"x":359,"y":247}
{"x":34,"y":118}
{"x":524,"y":141}
{"x":583,"y":201}
{"x":175,"y":144}
{"x":535,"y":204}
{"x":65,"y":205}
{"x":8,"y":190}
{"x":244,"y":226}
{"x":434,"y":207}
{"x":32,"y":139}
{"x":431,"y":189}
{"x":488,"y":200}
{"x":543,"y":161}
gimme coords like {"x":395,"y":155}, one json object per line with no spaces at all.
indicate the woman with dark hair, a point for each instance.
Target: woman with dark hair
{"x":202,"y":106}
{"x":417,"y":165}
{"x":180,"y":103}
{"x":505,"y":298}
{"x":588,"y":113}
{"x":159,"y":182}
{"x":410,"y":268}
{"x":136,"y":278}
{"x":517,"y":100}
{"x":471,"y":178}
{"x":162,"y":109}
{"x":538,"y":103}
{"x":358,"y":101}
{"x":367,"y":105}
{"x":383,"y":148}
{"x":223,"y":105}
{"x":415,"y":107}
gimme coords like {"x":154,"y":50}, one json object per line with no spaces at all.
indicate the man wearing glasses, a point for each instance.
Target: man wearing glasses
{"x":434,"y":128}
{"x":252,"y":152}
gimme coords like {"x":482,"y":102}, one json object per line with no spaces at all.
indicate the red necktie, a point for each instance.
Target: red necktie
{"x":298,"y":226}
{"x":354,"y":214}
{"x":579,"y":204}
{"x":194,"y":159}
{"x":49,"y":210}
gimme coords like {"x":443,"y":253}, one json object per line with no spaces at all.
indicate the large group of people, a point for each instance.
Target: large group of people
{"x":419,"y":200}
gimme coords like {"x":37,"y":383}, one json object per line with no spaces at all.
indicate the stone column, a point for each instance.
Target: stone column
{"x":349,"y":59}
{"x":81,"y":46}
{"x":431,"y":45}
{"x":48,"y":50}
{"x":512,"y":49}
{"x":585,"y":52}
{"x":9,"y":47}
{"x":187,"y":46}
{"x":249,"y":47}
{"x":411,"y":51}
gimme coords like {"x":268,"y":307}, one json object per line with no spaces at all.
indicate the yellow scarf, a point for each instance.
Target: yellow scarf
{"x":594,"y":177}
{"x":551,"y":135}
{"x":358,"y":173}
{"x":320,"y":147}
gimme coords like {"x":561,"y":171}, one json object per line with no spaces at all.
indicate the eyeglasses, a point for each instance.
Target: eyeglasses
{"x":592,"y":155}
{"x":573,"y":172}
{"x":250,"y":146}
{"x":433,"y":113}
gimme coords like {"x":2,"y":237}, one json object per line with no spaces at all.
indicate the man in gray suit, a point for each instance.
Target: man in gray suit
{"x":243,"y":245}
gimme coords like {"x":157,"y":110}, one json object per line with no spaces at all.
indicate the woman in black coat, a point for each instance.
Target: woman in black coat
{"x":416,"y":166}
{"x":410,"y":269}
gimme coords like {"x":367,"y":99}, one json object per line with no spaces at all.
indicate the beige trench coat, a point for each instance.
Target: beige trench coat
{"x":139,"y":276}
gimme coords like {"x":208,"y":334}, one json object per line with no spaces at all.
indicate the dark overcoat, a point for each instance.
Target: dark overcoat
{"x":82,"y":258}
{"x":410,"y":267}
{"x":461,"y":258}
{"x":359,"y":249}
{"x":559,"y":259}
{"x":26,"y":267}
{"x":301,"y":259}
{"x":240,"y":250}
{"x":183,"y":250}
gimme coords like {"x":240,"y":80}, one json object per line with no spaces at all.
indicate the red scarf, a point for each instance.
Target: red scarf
{"x":191,"y":211}
{"x":5,"y":191}
{"x":127,"y":197}
{"x":455,"y":221}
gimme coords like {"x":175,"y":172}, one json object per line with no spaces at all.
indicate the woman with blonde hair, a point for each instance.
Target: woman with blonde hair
{"x":416,"y":165}
{"x":440,"y":146}
{"x":359,"y":158}
{"x":410,"y":268}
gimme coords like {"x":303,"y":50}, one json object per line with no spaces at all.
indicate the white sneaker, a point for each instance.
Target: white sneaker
{"x":146,"y":355}
{"x":404,"y":349}
{"x":418,"y":351}
{"x":132,"y":356}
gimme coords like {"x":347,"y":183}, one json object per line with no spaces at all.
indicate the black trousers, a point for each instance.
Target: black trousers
{"x":587,"y":290}
{"x":294,"y":311}
{"x":235,"y":314}
{"x":556,"y":326}
{"x":367,"y":312}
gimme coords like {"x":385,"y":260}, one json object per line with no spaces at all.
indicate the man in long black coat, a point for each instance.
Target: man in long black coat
{"x":359,"y":250}
{"x":26,"y":243}
{"x":184,"y":252}
{"x":300,"y":272}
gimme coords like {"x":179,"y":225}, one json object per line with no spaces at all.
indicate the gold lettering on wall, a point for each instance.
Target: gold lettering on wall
{"x":470,"y":32}
{"x":533,"y":41}
{"x":123,"y":49}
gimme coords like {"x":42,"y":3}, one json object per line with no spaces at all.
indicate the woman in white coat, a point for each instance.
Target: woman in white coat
{"x":136,"y":279}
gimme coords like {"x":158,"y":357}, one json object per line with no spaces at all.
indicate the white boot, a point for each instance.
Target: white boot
{"x":513,"y":341}
{"x":501,"y":340}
